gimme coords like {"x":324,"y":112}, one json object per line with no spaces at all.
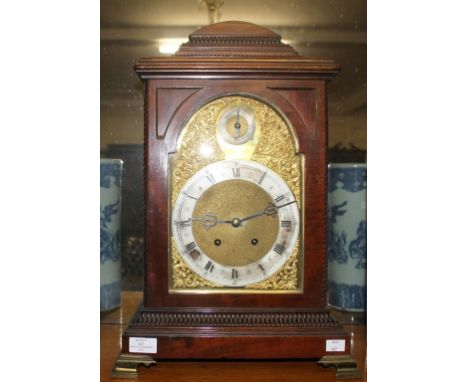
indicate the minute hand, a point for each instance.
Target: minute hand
{"x":269,"y":210}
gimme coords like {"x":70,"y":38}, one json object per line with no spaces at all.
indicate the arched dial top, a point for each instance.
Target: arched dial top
{"x":235,"y":222}
{"x":271,"y":144}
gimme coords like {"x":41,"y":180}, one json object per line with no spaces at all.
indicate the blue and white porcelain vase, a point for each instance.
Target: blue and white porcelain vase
{"x":347,"y":236}
{"x":111,"y":180}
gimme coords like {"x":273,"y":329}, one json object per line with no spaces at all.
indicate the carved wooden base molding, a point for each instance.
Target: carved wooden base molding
{"x":231,"y":333}
{"x":236,"y":333}
{"x":184,"y":317}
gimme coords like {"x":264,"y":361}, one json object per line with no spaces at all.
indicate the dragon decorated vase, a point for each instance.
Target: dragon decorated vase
{"x":111,"y":180}
{"x":347,"y":236}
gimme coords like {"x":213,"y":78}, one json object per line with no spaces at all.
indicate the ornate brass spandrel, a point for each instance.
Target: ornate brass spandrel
{"x":285,"y":279}
{"x":183,"y":277}
{"x":273,"y":145}
{"x":276,"y":149}
{"x":197,"y":147}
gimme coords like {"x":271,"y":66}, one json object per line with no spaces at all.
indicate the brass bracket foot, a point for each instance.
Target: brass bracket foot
{"x":126,"y":365}
{"x":345,"y":365}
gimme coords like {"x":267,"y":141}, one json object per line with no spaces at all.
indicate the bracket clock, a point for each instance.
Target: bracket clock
{"x":235,"y":204}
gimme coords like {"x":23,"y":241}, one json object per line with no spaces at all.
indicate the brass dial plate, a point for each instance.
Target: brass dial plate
{"x":273,"y":145}
{"x":235,"y":223}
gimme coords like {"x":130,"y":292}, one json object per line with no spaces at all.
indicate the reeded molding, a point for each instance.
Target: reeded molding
{"x":235,"y":47}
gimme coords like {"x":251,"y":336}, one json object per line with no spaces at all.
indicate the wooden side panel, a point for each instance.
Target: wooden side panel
{"x":168,"y":100}
{"x":303,"y":101}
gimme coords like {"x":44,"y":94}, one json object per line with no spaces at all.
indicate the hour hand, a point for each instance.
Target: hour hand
{"x":209,"y":221}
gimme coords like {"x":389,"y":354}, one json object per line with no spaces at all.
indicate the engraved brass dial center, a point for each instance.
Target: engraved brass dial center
{"x":230,"y":201}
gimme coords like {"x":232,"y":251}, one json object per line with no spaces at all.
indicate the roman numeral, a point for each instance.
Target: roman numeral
{"x":261,"y":268}
{"x":211,"y":178}
{"x":236,"y":172}
{"x":263,"y":177}
{"x":190,"y":246}
{"x":279,"y":198}
{"x":279,"y":249}
{"x":286,"y":223}
{"x":191,"y":197}
{"x":235,"y":274}
{"x":185,"y":223}
{"x":209,"y":266}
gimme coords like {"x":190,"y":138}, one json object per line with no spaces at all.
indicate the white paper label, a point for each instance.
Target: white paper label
{"x":142,"y":345}
{"x":335,"y":345}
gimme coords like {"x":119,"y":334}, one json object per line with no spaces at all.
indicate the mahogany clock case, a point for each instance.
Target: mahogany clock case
{"x":302,"y":102}
{"x":235,"y":58}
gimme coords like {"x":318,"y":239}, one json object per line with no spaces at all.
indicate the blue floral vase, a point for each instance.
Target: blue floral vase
{"x":111,"y":179}
{"x":347,"y":236}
